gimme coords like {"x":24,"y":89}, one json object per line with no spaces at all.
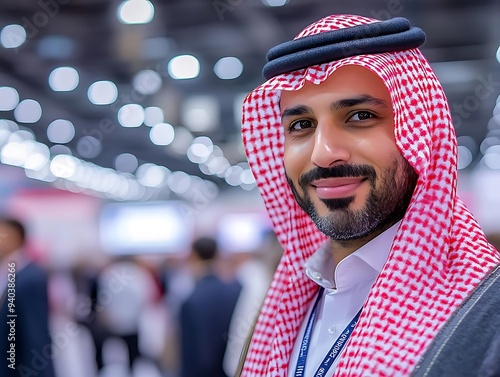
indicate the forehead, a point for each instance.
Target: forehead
{"x":345,"y":82}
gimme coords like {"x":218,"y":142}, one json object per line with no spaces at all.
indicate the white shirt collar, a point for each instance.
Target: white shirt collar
{"x":365,"y":263}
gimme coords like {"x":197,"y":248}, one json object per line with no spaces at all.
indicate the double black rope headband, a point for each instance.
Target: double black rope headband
{"x":384,"y":36}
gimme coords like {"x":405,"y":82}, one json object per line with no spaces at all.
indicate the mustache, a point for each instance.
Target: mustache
{"x":339,"y":171}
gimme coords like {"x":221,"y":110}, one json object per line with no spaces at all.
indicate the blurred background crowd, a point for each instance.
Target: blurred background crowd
{"x":121,"y":156}
{"x":184,"y":312}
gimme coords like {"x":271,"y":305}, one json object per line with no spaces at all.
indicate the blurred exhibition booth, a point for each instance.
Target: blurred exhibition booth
{"x":119,"y":120}
{"x":67,"y":226}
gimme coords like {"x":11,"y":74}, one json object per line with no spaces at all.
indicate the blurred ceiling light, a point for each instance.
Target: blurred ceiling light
{"x":228,"y":68}
{"x":210,"y":189}
{"x":464,"y":157}
{"x":60,"y":149}
{"x":183,"y":67}
{"x":200,"y":149}
{"x":88,"y":147}
{"x":247,"y":177}
{"x":126,"y":162}
{"x":492,"y":160}
{"x":135,"y":191}
{"x":8,"y":124}
{"x":22,"y":135}
{"x":83,"y":175}
{"x":200,"y":113}
{"x":494,"y":134}
{"x":494,"y":123}
{"x":38,"y":156}
{"x":135,"y":12}
{"x":204,"y":169}
{"x":42,"y":174}
{"x":12,"y":36}
{"x":56,"y":47}
{"x":4,"y":136}
{"x":9,"y":98}
{"x":489,"y":142}
{"x":153,"y":115}
{"x":233,"y":175}
{"x":108,"y":180}
{"x":247,"y":187}
{"x":28,"y":111}
{"x":127,"y":190}
{"x":162,"y":134}
{"x":64,"y":166}
{"x":275,"y":3}
{"x":102,"y":92}
{"x":147,"y":82}
{"x":469,"y":142}
{"x":131,"y":115}
{"x":14,"y":153}
{"x":498,"y":56}
{"x":179,"y":182}
{"x":217,"y":152}
{"x":60,"y":131}
{"x":64,"y":79}
{"x":27,"y":153}
{"x":218,"y":165}
{"x":493,"y":149}
{"x":151,"y":175}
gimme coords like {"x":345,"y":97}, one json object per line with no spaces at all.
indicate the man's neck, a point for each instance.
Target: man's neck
{"x":343,"y":248}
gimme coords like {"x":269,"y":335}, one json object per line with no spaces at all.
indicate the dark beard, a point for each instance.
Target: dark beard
{"x":384,"y":206}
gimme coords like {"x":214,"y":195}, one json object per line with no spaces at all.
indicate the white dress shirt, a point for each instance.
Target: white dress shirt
{"x":346,"y":290}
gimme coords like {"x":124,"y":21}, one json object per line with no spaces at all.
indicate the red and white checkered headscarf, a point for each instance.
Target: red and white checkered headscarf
{"x":439,"y":253}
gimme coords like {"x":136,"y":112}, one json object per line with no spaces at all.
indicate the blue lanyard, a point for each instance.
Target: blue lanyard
{"x":334,"y":351}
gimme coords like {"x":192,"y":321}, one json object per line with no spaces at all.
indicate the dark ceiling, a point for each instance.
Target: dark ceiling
{"x":462,"y":39}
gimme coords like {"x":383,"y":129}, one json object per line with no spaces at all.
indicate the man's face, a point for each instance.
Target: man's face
{"x":341,"y":159}
{"x":9,"y":240}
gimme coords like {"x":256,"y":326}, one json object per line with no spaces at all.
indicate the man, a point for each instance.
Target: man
{"x":25,"y":342}
{"x":352,"y":146}
{"x":206,"y":314}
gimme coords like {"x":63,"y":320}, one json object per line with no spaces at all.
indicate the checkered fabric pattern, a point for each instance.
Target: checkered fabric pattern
{"x":439,"y":253}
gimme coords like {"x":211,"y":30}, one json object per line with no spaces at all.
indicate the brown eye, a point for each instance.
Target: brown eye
{"x":300,"y":125}
{"x":361,"y":115}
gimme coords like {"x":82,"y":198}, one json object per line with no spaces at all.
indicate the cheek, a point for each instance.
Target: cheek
{"x":296,"y":158}
{"x":380,"y":150}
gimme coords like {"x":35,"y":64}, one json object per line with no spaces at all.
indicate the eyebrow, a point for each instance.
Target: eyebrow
{"x":364,"y":99}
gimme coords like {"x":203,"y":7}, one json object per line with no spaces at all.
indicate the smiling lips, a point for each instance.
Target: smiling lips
{"x":335,"y":188}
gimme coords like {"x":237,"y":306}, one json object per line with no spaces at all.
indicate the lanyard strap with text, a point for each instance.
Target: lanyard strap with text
{"x":334,"y":351}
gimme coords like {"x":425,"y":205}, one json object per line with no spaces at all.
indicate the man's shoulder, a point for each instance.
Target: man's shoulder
{"x":473,"y":327}
{"x":32,"y":274}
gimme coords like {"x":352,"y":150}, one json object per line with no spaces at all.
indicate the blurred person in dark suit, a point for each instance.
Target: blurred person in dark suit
{"x":125,"y":290}
{"x":255,"y":272}
{"x":24,"y":331}
{"x":206,"y":314}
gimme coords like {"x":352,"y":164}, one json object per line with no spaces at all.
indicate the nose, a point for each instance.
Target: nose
{"x":330,"y":145}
